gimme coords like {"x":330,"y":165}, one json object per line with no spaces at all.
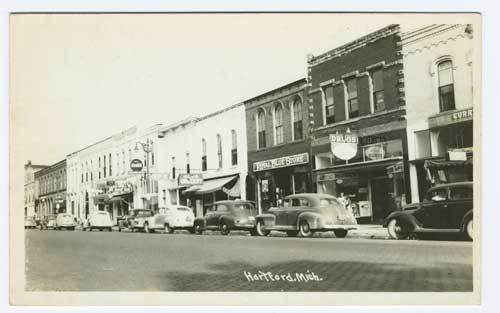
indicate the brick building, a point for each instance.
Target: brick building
{"x":51,"y":185}
{"x":356,"y":97}
{"x":279,"y":160}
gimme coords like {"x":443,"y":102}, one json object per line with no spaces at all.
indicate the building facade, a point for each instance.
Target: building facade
{"x":100,"y":176}
{"x":439,"y":68}
{"x":203,"y":160}
{"x":357,"y":105}
{"x":279,"y":160}
{"x":30,"y":188}
{"x":51,"y":189}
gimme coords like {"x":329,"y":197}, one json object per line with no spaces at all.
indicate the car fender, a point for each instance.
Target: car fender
{"x":408,"y":218}
{"x":268,"y":219}
{"x":228,"y":219}
{"x":466,"y":217}
{"x":201,"y":221}
{"x":313,"y":219}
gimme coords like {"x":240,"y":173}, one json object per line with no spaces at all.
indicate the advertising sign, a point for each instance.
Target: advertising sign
{"x":374,"y":152}
{"x":265,"y":185}
{"x":185,"y":180}
{"x":344,"y":146}
{"x":136,"y":165}
{"x":281,"y":162}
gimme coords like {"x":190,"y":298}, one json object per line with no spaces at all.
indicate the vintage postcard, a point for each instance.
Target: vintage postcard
{"x":277,"y":159}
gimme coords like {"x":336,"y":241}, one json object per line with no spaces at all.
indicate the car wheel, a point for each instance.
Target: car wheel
{"x":469,"y":233}
{"x":292,"y":233}
{"x":260,"y":229}
{"x":340,"y":233}
{"x":397,"y":229}
{"x":224,"y":228}
{"x":305,"y":229}
{"x":167,"y":229}
{"x":197,"y":229}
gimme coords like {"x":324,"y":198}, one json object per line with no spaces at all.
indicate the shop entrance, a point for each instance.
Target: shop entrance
{"x":382,"y":198}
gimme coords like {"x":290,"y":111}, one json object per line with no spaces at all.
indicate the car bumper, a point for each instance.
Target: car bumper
{"x":339,"y":226}
{"x":244,"y":226}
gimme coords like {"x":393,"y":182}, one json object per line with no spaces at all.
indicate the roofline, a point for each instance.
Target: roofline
{"x":296,"y":82}
{"x":93,"y":144}
{"x":48,"y":168}
{"x":209,"y":115}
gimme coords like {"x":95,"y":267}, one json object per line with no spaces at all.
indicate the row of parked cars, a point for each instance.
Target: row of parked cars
{"x":445,"y":209}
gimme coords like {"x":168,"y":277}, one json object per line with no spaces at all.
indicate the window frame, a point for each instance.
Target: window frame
{"x":351,"y":100}
{"x":329,"y":119}
{"x":450,"y":94}
{"x":297,"y":118}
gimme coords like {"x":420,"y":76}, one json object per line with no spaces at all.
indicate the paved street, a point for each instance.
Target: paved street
{"x":103,"y":261}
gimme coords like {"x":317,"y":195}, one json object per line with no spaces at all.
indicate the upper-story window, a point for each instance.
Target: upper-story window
{"x":203,"y":154}
{"x":234,"y":148}
{"x":297,"y":119}
{"x":378,"y":90}
{"x":352,"y":98}
{"x":329,"y":105}
{"x":123,"y":162}
{"x":261,"y":129}
{"x":278,"y":125}
{"x":104,"y":161}
{"x":110,"y":171}
{"x":219,"y":150}
{"x":446,"y":90}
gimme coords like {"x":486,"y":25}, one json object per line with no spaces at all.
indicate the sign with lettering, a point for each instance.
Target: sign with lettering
{"x":460,"y":115}
{"x":344,"y":146}
{"x":136,"y":165}
{"x":190,"y":179}
{"x":374,"y":152}
{"x":291,"y":160}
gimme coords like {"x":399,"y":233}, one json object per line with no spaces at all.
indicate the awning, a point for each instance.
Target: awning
{"x":235,"y":191}
{"x":209,"y":186}
{"x":441,"y":164}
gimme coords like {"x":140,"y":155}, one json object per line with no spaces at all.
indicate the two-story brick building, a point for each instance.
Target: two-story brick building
{"x":278,"y":144}
{"x":357,"y":105}
{"x":51,"y":184}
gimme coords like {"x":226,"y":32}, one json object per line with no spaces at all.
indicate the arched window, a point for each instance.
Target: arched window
{"x":445,"y":83}
{"x":203,"y":154}
{"x":261,"y":130}
{"x":297,"y":119}
{"x":234,"y":148}
{"x":278,"y":125}
{"x":219,"y":150}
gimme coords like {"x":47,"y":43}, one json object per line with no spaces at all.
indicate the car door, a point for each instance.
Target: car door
{"x":298,"y":206}
{"x":435,"y":209}
{"x":459,"y":204}
{"x":281,"y":212}
{"x":213,"y":216}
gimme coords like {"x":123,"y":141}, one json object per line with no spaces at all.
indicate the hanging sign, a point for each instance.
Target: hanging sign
{"x":344,"y":146}
{"x":136,"y":165}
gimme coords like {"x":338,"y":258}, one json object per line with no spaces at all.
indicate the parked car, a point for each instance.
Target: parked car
{"x":29,"y":222}
{"x":446,"y":208}
{"x":66,"y":221}
{"x":171,"y":218}
{"x":48,"y":222}
{"x":305,"y":214}
{"x":228,"y":215}
{"x":135,"y":220}
{"x":98,"y":220}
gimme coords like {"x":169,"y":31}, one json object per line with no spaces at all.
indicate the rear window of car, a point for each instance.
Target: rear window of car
{"x":324,"y":202}
{"x":460,"y":193}
{"x":244,"y":206}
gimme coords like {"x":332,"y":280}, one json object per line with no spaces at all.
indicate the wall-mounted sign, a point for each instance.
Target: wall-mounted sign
{"x":265,"y":185}
{"x":393,"y":169}
{"x":281,"y":162}
{"x":457,"y":155}
{"x":344,"y":146}
{"x":136,"y":165}
{"x":190,"y":179}
{"x":460,"y":115}
{"x":374,"y":152}
{"x":452,"y":117}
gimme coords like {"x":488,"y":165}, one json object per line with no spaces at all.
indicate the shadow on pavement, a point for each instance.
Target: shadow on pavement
{"x":332,"y":276}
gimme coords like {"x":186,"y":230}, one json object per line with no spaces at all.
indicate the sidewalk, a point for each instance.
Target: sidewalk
{"x":369,"y":231}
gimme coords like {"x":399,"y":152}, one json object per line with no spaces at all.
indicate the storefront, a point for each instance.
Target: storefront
{"x":280,"y":177}
{"x":372,"y":178}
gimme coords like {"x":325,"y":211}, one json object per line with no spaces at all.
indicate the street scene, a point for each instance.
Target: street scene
{"x":355,"y":177}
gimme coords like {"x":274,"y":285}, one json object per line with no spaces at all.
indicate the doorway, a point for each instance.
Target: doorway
{"x":381,"y":198}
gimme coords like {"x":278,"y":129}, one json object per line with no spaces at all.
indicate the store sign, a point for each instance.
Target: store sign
{"x":265,"y":185}
{"x":458,"y":155}
{"x":465,"y":114}
{"x":291,"y":160}
{"x":393,"y":169}
{"x":448,"y":118}
{"x":136,"y":165}
{"x":190,"y":179}
{"x":375,"y":152}
{"x":344,"y":146}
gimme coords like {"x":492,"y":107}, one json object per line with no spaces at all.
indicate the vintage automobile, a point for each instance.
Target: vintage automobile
{"x":446,"y":208}
{"x":305,"y":214}
{"x":65,"y":221}
{"x":98,"y":220}
{"x":135,"y":220}
{"x":29,"y":222}
{"x":228,"y":215}
{"x":169,"y":219}
{"x":48,"y":222}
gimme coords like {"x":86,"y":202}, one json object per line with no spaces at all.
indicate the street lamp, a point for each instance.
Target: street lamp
{"x":148,"y":148}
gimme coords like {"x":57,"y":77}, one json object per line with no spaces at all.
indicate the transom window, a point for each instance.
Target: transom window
{"x":278,"y":125}
{"x":446,"y":86}
{"x":329,"y":105}
{"x":352,"y":93}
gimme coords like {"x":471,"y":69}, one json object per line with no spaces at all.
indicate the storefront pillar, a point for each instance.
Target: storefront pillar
{"x":415,"y":198}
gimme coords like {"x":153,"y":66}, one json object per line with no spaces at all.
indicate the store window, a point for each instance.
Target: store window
{"x":219,"y":150}
{"x":278,"y":125}
{"x":261,"y":130}
{"x":352,"y":98}
{"x":383,"y":150}
{"x":297,"y":119}
{"x":234,"y":148}
{"x":378,"y":90}
{"x":329,"y":105}
{"x":446,"y":86}
{"x":203,"y":154}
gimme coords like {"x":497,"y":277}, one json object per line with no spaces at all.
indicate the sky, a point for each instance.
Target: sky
{"x":76,"y":79}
